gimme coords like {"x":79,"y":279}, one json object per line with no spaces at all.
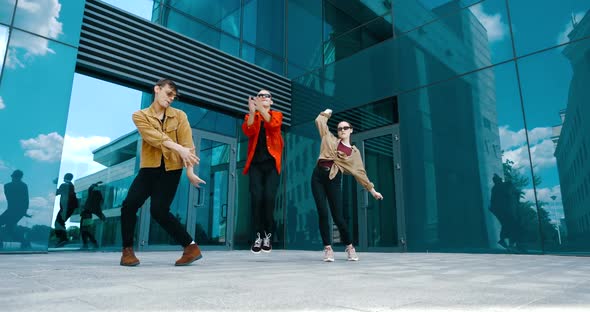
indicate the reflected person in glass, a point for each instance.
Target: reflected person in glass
{"x":262,"y":126}
{"x":17,"y":198}
{"x":68,"y":202}
{"x":92,"y":206}
{"x":337,"y":156}
{"x":167,"y":146}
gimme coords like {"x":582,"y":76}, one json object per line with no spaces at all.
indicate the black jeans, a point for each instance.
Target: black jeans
{"x":323,"y":188}
{"x":264,"y":183}
{"x":161,"y":186}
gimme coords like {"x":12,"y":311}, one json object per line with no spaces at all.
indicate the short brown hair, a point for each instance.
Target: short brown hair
{"x":165,"y":81}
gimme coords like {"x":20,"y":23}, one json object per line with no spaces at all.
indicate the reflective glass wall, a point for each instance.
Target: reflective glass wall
{"x":492,"y":133}
{"x":38,"y":46}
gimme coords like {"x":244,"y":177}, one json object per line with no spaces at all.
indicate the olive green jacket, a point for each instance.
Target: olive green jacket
{"x":352,"y":164}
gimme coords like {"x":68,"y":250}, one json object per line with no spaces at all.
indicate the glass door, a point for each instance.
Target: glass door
{"x":377,"y":225}
{"x":210,"y":215}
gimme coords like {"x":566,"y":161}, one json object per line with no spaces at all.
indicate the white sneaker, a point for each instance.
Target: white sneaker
{"x":266,"y":244}
{"x":328,"y":255}
{"x":352,"y":256}
{"x":257,"y":243}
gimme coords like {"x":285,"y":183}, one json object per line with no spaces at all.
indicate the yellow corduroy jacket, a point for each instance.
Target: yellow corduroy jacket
{"x":352,"y":164}
{"x":154,"y":133}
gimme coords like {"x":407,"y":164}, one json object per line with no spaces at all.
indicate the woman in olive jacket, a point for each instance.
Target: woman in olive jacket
{"x":337,"y":156}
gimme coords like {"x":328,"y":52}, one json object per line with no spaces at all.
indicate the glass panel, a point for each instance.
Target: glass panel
{"x":453,"y":45}
{"x":4,"y":33}
{"x":51,"y":19}
{"x":211,"y":200}
{"x":301,"y":153}
{"x":224,"y":15}
{"x":294,"y":71}
{"x":456,"y":137}
{"x":550,"y":23}
{"x":6,"y":11}
{"x":556,"y":107}
{"x":262,"y":59}
{"x":264,"y":25}
{"x":409,"y":14}
{"x":101,"y":160}
{"x":342,"y":16}
{"x":304,"y":31}
{"x":33,"y":144}
{"x":357,"y":39}
{"x":191,"y":27}
{"x":381,"y":214}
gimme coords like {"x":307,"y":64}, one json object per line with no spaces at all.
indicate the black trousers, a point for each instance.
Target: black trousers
{"x":161,"y":186}
{"x":264,"y":183}
{"x":331,"y":190}
{"x":60,"y":222}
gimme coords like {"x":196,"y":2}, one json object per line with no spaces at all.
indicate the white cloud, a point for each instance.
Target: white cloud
{"x":40,"y":210}
{"x":568,"y":27}
{"x":39,"y":17}
{"x":510,"y":139}
{"x":2,"y":106}
{"x":551,"y":197}
{"x":45,"y":147}
{"x":77,"y":156}
{"x":2,"y":196}
{"x":513,"y":143}
{"x":494,"y":25}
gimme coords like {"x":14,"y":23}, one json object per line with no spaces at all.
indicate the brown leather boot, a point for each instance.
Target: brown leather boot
{"x":191,"y":254}
{"x":128,"y":258}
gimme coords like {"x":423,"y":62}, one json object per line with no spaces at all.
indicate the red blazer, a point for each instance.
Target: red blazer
{"x":274,"y":139}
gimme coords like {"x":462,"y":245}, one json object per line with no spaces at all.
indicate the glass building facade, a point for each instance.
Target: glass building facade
{"x":469,"y":116}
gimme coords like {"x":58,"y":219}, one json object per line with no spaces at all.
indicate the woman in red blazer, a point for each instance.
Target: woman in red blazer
{"x":265,"y":148}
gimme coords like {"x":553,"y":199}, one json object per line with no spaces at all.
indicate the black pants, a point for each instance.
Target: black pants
{"x":323,"y":188}
{"x":264,"y":183}
{"x":60,"y":223}
{"x":87,"y":234}
{"x":161,"y":186}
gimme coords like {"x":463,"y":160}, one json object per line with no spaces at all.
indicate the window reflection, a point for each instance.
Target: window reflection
{"x":223,"y":15}
{"x":3,"y":44}
{"x":50,"y":19}
{"x":35,"y":148}
{"x":6,"y":11}
{"x":264,"y":25}
{"x":548,"y":25}
{"x":99,"y":150}
{"x":559,"y":140}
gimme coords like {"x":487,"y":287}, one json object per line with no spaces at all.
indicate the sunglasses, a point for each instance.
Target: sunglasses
{"x":264,"y":95}
{"x":344,"y":128}
{"x":172,"y":94}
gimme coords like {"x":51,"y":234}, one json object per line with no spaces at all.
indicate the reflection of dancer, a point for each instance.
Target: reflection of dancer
{"x":92,"y":206}
{"x":265,"y":147}
{"x":167,"y":146}
{"x":17,"y":197}
{"x":337,"y":156}
{"x":67,"y":204}
{"x":503,"y":205}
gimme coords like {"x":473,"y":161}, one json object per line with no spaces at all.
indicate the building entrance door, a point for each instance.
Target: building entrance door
{"x":377,"y":225}
{"x":211,"y":206}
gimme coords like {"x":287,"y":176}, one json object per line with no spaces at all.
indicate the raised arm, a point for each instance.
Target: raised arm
{"x":321,"y":122}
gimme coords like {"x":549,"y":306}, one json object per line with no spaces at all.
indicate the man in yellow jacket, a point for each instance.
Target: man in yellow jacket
{"x":167,"y":146}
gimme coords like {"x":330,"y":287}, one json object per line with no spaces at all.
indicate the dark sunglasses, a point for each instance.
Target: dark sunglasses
{"x":344,"y":128}
{"x":264,"y":95}
{"x":172,"y":94}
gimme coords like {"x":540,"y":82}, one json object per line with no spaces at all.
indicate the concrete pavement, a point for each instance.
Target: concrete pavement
{"x":294,"y":281}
